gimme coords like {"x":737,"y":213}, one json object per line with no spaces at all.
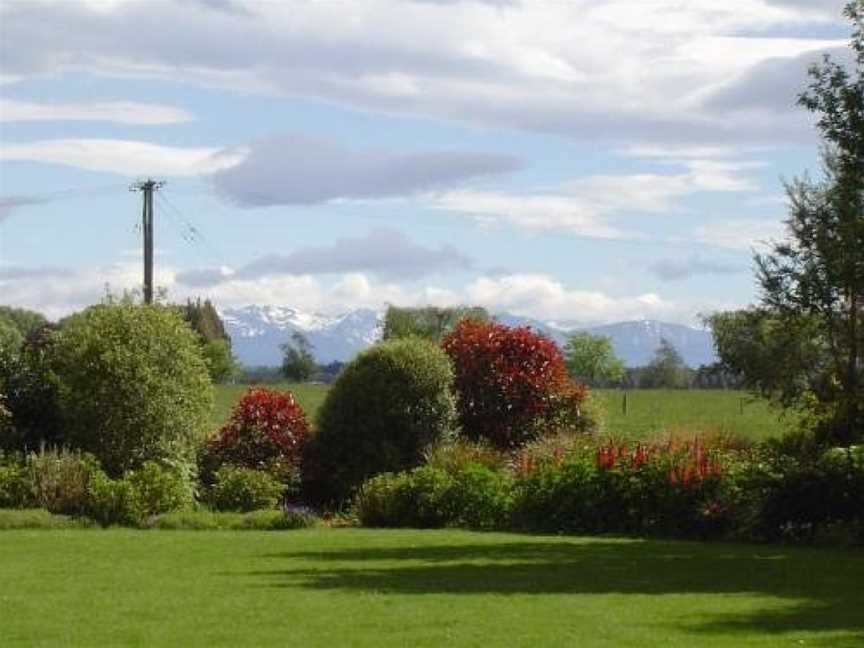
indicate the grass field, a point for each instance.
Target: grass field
{"x":310,"y":397}
{"x":649,"y":412}
{"x":354,"y":587}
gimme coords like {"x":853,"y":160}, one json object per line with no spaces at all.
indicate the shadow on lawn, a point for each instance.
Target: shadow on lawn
{"x":827,"y":586}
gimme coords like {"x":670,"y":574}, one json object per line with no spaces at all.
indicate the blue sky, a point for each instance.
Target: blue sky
{"x":582,"y":161}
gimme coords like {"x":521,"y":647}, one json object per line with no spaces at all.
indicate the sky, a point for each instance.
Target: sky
{"x":574,"y":161}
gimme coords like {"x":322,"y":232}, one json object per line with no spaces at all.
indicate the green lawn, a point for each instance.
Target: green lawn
{"x":310,"y":397}
{"x":355,"y":587}
{"x":651,"y":411}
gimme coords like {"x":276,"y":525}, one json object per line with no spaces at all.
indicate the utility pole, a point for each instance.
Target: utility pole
{"x":147,"y":187}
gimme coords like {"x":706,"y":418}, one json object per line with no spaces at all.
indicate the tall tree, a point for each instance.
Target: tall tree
{"x":817,"y":273}
{"x":430,"y":322}
{"x":298,"y":363}
{"x":667,"y":368}
{"x":591,"y":359}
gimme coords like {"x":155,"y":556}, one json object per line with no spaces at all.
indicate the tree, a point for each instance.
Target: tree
{"x":591,"y":359}
{"x":429,"y":322}
{"x":385,"y":408}
{"x":133,"y":386}
{"x":666,"y":369}
{"x":298,"y":363}
{"x":512,"y":384}
{"x":812,"y":283}
{"x":215,"y":341}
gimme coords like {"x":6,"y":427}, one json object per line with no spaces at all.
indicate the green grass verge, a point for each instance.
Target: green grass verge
{"x":649,"y":412}
{"x":309,"y":396}
{"x":656,"y":411}
{"x":357,"y":587}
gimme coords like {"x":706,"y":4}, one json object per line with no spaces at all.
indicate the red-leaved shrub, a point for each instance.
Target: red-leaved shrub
{"x":512,"y":383}
{"x":267,"y":431}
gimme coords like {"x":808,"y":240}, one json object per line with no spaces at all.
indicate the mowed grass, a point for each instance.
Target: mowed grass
{"x":310,"y":397}
{"x":653,"y":412}
{"x":649,"y":412}
{"x":358,"y":587}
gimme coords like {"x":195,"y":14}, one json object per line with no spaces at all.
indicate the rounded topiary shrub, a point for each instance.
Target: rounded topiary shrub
{"x":384,"y":409}
{"x":512,"y":384}
{"x":267,"y":431}
{"x":133,"y":386}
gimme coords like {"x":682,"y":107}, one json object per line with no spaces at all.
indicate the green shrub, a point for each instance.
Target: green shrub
{"x":426,"y":497}
{"x":384,"y":409}
{"x":133,"y":386}
{"x":111,"y":501}
{"x":30,"y":414}
{"x":244,"y":489}
{"x":15,"y":490}
{"x":480,"y":498}
{"x":59,"y":479}
{"x":158,"y":489}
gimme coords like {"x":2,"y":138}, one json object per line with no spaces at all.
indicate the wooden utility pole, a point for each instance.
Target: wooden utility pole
{"x":147,"y":187}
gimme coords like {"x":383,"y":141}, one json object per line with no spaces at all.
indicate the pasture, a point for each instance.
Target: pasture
{"x":357,"y":587}
{"x":649,"y":412}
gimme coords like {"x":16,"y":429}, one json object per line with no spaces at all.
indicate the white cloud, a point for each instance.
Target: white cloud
{"x":121,"y":112}
{"x":57,"y":293}
{"x":739,"y":234}
{"x":586,"y":206}
{"x":623,"y":70}
{"x":125,"y":157}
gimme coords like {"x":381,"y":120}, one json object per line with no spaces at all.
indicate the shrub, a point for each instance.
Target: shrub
{"x":158,"y":489}
{"x":244,"y":489}
{"x":15,"y":491}
{"x":59,"y":479}
{"x":427,"y":497}
{"x":512,"y":383}
{"x":133,"y":384}
{"x":416,"y":498}
{"x":29,"y":410}
{"x":452,"y":455}
{"x":383,"y":410}
{"x":267,"y":431}
{"x":111,"y":501}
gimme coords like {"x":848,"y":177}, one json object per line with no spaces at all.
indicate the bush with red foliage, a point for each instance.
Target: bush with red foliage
{"x":512,"y":383}
{"x":267,"y":431}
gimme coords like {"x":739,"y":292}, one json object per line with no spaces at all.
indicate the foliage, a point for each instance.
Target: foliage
{"x":591,"y":359}
{"x":429,"y":322}
{"x":29,"y":394}
{"x":111,"y":501}
{"x":451,"y":455}
{"x":59,"y":479}
{"x":385,"y":408}
{"x":15,"y":490}
{"x":812,"y":282}
{"x":298,"y":362}
{"x":133,"y":386}
{"x":221,"y":362}
{"x":267,"y":431}
{"x":16,"y":325}
{"x":512,"y":383}
{"x":32,"y":519}
{"x":666,"y":369}
{"x":204,"y":320}
{"x":159,"y":489}
{"x":244,"y":489}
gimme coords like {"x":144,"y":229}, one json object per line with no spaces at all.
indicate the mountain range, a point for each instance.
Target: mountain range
{"x":258,"y":331}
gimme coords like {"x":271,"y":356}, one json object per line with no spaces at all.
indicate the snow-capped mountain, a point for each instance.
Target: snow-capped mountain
{"x":257,"y":331}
